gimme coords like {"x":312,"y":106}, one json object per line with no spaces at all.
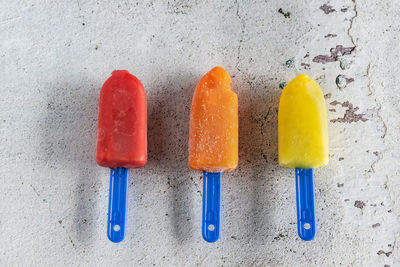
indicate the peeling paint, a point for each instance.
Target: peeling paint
{"x":359,"y":204}
{"x":327,"y":9}
{"x":380,"y":252}
{"x":323,"y":59}
{"x":350,"y":114}
{"x":336,"y":52}
{"x":332,"y":110}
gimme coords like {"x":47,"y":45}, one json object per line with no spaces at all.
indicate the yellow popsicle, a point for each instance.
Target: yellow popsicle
{"x":213,"y":138}
{"x":302,"y":125}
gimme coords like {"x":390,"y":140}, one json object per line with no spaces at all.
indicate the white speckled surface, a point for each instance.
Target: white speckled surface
{"x":54,"y":57}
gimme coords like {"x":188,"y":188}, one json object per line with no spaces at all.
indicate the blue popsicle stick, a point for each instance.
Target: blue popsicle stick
{"x":117,"y":204}
{"x":306,"y":223}
{"x":211,"y":205}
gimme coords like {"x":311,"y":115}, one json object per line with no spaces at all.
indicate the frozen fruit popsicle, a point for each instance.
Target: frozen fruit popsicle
{"x":213,"y":141}
{"x":121,"y":141}
{"x":303,"y":144}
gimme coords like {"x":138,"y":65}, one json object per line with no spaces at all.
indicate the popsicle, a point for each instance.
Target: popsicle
{"x":121,"y":141}
{"x":213,"y":142}
{"x":303,"y":144}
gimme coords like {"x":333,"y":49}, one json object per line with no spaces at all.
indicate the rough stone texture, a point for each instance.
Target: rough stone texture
{"x":55,"y":55}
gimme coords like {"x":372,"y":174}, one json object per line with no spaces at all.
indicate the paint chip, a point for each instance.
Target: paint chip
{"x":327,"y":9}
{"x":340,"y":185}
{"x":376,"y":225}
{"x":350,"y":114}
{"x":336,"y":53}
{"x":359,"y":204}
{"x":380,"y":252}
{"x":328,"y":95}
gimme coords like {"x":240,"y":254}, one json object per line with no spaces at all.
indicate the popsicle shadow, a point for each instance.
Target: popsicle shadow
{"x":168,"y":131}
{"x":258,"y":152}
{"x":69,"y":139}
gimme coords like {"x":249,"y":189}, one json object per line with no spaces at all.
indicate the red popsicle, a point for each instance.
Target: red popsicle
{"x":122,"y":123}
{"x":121,"y":141}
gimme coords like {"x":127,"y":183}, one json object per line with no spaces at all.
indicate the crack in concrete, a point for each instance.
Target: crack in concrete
{"x":379,"y":105}
{"x":369,"y":79}
{"x":242,"y":27}
{"x":34,"y":190}
{"x":52,"y":215}
{"x":380,"y":155}
{"x":380,"y":252}
{"x":381,"y":118}
{"x":80,"y":13}
{"x":8,"y":20}
{"x":68,"y":235}
{"x":351,"y":23}
{"x":376,"y":161}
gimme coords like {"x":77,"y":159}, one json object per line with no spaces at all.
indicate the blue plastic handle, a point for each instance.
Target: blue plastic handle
{"x":211,"y":205}
{"x":117,"y":204}
{"x":306,"y":223}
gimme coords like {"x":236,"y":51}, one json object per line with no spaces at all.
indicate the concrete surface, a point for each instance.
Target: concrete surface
{"x":55,"y":55}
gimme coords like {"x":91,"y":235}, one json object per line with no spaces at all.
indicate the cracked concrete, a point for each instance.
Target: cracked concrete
{"x":351,"y":23}
{"x":56,"y":55}
{"x":242,"y":28}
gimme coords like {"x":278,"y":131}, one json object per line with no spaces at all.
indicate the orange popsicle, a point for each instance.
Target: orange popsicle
{"x":213,"y":142}
{"x":213,"y":139}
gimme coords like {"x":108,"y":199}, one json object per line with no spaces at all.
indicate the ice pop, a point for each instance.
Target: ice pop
{"x":303,"y":144}
{"x":213,"y":141}
{"x":121,"y":141}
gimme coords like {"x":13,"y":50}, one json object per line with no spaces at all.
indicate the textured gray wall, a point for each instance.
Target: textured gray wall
{"x":54,"y":58}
